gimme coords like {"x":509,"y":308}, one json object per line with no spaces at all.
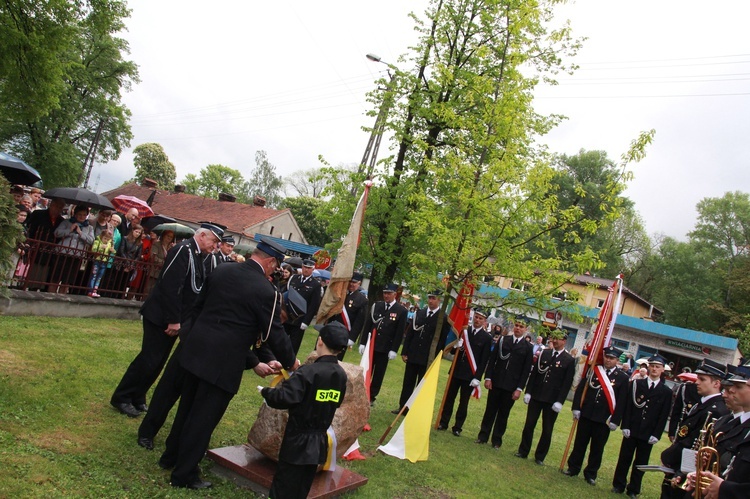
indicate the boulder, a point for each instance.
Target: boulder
{"x":268,"y":429}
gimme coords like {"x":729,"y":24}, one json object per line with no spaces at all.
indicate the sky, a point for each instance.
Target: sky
{"x":223,"y":80}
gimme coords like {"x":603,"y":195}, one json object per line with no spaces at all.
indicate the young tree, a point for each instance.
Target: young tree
{"x":308,"y":183}
{"x":70,"y":65}
{"x":306,"y":211}
{"x":263,"y":181}
{"x":152,"y":162}
{"x":213,"y":180}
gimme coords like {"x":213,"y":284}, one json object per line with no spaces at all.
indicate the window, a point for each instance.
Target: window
{"x":560,"y":295}
{"x":620,"y":344}
{"x":519,"y":285}
{"x":290,"y":236}
{"x":599,"y":303}
{"x":270,"y":233}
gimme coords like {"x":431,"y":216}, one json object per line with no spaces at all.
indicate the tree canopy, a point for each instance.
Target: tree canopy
{"x":214,"y":180}
{"x":151,"y":161}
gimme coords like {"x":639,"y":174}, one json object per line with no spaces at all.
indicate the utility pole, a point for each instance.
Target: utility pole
{"x":88,"y":163}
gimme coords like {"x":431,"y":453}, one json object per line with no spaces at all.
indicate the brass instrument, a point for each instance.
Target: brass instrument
{"x":706,"y":458}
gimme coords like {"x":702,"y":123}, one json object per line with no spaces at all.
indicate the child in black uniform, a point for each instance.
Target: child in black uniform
{"x":312,"y":394}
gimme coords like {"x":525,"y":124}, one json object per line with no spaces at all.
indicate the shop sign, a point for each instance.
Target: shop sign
{"x":689,"y":346}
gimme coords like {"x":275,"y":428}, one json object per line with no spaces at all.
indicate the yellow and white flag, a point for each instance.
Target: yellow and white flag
{"x":412,"y":439}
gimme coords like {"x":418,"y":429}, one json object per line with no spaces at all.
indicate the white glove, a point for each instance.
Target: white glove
{"x":556,"y":406}
{"x":260,"y":388}
{"x":652,"y":440}
{"x":626,"y":433}
{"x":526,"y":398}
{"x":392,"y":355}
{"x":460,"y":343}
{"x":576,"y":414}
{"x":474,"y":383}
{"x":361,"y":349}
{"x":612,"y":426}
{"x":303,"y":326}
{"x":349,"y":344}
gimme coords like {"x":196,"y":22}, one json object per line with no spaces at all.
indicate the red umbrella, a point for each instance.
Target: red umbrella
{"x":123,"y":203}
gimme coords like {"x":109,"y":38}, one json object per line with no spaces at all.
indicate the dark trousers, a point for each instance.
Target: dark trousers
{"x":166,"y":393}
{"x":379,"y":365}
{"x":413,"y":374}
{"x":628,"y":448}
{"x":548,"y":424}
{"x":292,"y":481}
{"x":588,"y":432}
{"x":295,"y":336}
{"x":146,"y":366}
{"x":499,"y":404}
{"x":202,"y":406}
{"x":455,"y":386}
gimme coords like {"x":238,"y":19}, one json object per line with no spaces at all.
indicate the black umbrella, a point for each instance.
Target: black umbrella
{"x":80,"y":197}
{"x":294,"y":261}
{"x":18,"y":171}
{"x":149,"y":223}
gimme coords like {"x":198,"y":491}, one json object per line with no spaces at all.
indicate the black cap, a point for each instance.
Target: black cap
{"x":296,"y":305}
{"x":215,"y":229}
{"x":390,"y":288}
{"x":711,"y":368}
{"x":222,"y":227}
{"x":307,"y":262}
{"x":611,"y":351}
{"x":435,"y":292}
{"x":228,"y":240}
{"x":272,"y":248}
{"x":657,"y":359}
{"x":742,"y":374}
{"x":335,"y":336}
{"x":357,"y":277}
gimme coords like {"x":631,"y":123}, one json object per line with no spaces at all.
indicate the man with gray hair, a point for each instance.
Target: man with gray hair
{"x":165,"y":309}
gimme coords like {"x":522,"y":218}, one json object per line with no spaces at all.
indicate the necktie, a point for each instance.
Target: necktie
{"x":554,"y":356}
{"x":429,"y":314}
{"x":387,"y":307}
{"x":651,"y":386}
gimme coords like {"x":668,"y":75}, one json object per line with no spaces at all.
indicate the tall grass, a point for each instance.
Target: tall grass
{"x":59,"y":437}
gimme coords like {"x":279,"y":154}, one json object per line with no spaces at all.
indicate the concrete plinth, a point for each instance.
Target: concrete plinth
{"x":250,"y":468}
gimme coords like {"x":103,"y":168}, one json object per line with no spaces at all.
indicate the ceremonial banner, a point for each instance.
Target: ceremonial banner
{"x":606,"y":323}
{"x":412,"y":439}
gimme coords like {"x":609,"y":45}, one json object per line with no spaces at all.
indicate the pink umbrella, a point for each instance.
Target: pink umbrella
{"x":123,"y":203}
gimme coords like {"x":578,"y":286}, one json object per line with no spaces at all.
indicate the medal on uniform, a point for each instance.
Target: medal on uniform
{"x":683,"y":431}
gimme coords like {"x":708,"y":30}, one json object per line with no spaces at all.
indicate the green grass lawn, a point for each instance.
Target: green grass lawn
{"x":59,"y":437}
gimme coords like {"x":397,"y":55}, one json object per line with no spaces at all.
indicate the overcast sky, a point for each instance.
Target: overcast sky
{"x":223,"y":80}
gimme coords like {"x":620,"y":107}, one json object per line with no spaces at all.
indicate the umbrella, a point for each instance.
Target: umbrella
{"x":294,"y":261}
{"x":17,"y":171}
{"x":149,"y":223}
{"x":180,"y":231}
{"x":80,"y":196}
{"x":324,"y":274}
{"x":123,"y":203}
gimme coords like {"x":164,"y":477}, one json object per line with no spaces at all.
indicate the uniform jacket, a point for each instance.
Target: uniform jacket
{"x":595,"y":406}
{"x":509,"y":365}
{"x":646,"y":413}
{"x":690,"y":429}
{"x":737,"y":483}
{"x":390,"y":326}
{"x":356,"y":308}
{"x":729,"y":437}
{"x":180,"y":280}
{"x":310,"y":290}
{"x":550,"y":381}
{"x":237,"y":306}
{"x":684,"y":400}
{"x":312,"y":394}
{"x":420,"y":331}
{"x":480,"y":341}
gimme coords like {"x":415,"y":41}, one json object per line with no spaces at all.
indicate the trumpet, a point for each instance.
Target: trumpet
{"x":706,"y":458}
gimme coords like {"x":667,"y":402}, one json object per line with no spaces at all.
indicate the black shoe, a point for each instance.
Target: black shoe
{"x":496,"y":446}
{"x":141,"y":407}
{"x":457,"y":433}
{"x":518,"y":454}
{"x":146,"y":443}
{"x":165,"y":466}
{"x":441,"y":428}
{"x":539,"y":462}
{"x":127,"y":409}
{"x":615,"y":490}
{"x":591,"y":481}
{"x":395,"y":411}
{"x":569,"y":473}
{"x":632,"y":495}
{"x":196,"y":485}
{"x":480,"y":441}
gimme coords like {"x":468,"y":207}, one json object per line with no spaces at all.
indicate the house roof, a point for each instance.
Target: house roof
{"x":237,"y":217}
{"x":606,"y":283}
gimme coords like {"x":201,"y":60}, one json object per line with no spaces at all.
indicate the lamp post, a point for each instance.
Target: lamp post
{"x":370,"y":156}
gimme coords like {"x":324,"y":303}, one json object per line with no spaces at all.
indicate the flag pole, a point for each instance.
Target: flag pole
{"x":390,"y":426}
{"x":450,"y":377}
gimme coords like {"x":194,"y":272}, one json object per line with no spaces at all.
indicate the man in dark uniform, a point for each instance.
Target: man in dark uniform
{"x":238,"y":308}
{"x":596,"y":419}
{"x":470,"y":363}
{"x":734,"y":482}
{"x":166,"y":308}
{"x":388,"y":320}
{"x":309,"y":288}
{"x":417,"y":343}
{"x":354,"y":312}
{"x":646,"y":411}
{"x":684,"y":400}
{"x":710,"y":408}
{"x":729,"y":429}
{"x":507,"y":372}
{"x":549,"y":383}
{"x":226,"y":247}
{"x":312,"y":394}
